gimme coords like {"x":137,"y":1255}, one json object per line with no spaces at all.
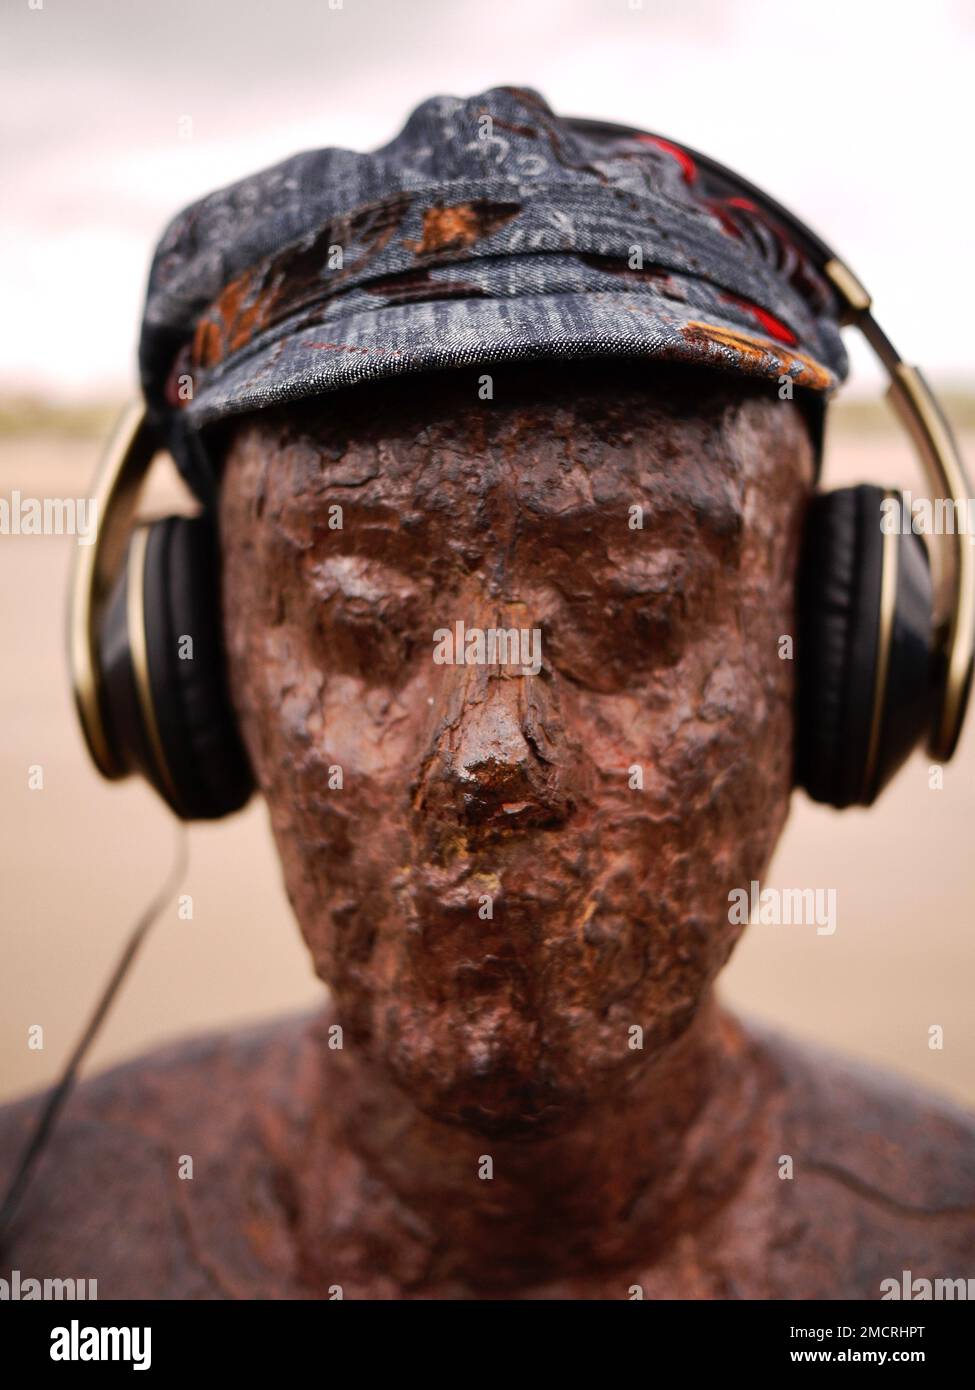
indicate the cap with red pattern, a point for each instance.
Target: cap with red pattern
{"x":488,"y":230}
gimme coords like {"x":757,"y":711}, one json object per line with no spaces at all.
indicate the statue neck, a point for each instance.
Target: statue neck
{"x":380,"y":1184}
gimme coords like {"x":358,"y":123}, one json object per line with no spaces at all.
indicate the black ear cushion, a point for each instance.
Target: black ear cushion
{"x":839,"y":611}
{"x":840,"y":584}
{"x":839,"y":608}
{"x":121,"y":708}
{"x":198,"y":732}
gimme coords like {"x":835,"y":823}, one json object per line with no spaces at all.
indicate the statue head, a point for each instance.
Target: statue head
{"x":509,"y":671}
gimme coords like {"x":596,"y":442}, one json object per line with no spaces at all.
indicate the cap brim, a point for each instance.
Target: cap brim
{"x":369,"y":344}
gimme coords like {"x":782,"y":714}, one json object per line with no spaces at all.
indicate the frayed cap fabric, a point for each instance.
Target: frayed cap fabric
{"x":489,"y":230}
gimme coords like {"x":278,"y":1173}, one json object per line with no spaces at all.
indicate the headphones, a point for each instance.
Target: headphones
{"x":884,"y":646}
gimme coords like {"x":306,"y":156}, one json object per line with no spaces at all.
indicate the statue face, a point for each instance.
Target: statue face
{"x":502,"y":870}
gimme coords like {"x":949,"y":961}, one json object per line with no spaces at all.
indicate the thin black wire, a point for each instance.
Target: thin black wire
{"x":47,"y":1119}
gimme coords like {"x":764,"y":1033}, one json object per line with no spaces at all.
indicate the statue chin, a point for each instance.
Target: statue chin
{"x":510,"y":1101}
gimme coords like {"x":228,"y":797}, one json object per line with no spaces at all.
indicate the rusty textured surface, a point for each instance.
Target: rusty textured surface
{"x":759,"y":351}
{"x":461,"y":224}
{"x":290,"y":282}
{"x":509,"y":1037}
{"x":660,"y":648}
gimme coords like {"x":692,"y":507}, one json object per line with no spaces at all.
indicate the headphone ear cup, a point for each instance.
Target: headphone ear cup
{"x":851,"y":736}
{"x":168,"y":710}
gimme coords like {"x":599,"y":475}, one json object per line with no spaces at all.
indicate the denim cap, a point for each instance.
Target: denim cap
{"x":489,"y":230}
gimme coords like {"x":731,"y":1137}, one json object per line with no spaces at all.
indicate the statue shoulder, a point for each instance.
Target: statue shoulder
{"x":878,"y":1172}
{"x":160,"y":1178}
{"x":853,"y":1113}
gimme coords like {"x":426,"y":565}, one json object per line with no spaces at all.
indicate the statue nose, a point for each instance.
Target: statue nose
{"x":498,"y":774}
{"x":497,"y":761}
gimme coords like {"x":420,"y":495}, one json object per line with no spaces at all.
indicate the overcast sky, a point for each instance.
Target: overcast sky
{"x":857,"y":114}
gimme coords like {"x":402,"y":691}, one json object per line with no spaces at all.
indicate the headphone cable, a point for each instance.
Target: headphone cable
{"x":46,"y":1120}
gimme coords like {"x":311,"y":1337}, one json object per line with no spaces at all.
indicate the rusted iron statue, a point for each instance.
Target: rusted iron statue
{"x":514,"y":884}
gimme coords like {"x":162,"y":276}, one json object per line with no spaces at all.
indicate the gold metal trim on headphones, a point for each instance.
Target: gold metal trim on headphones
{"x":941,"y":460}
{"x":119,"y":482}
